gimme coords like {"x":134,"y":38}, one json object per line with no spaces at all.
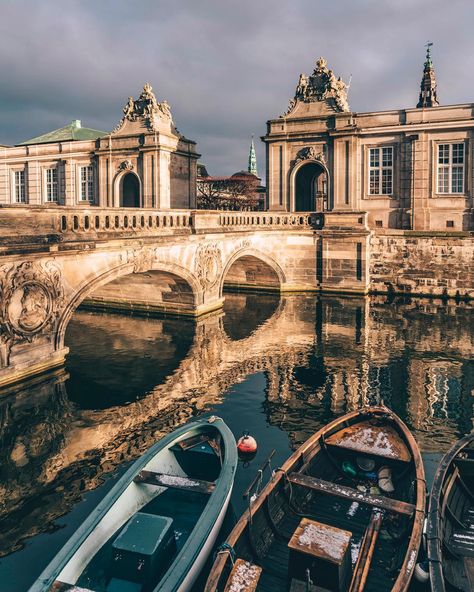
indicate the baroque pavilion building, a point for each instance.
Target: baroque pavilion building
{"x":407,"y":168}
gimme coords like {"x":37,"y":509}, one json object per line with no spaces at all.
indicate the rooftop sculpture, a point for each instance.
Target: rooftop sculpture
{"x":146,"y":107}
{"x":322,"y":85}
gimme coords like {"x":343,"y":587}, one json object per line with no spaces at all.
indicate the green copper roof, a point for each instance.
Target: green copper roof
{"x":73,"y":131}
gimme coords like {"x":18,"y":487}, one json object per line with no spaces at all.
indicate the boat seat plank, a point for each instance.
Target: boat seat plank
{"x":174,"y":482}
{"x":243,"y":577}
{"x":379,"y":501}
{"x":367,"y":437}
{"x":192,"y":441}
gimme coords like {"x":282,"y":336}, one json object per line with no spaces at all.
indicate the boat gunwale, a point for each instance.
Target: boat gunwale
{"x":434,"y":543}
{"x":311,"y":447}
{"x":224,"y":486}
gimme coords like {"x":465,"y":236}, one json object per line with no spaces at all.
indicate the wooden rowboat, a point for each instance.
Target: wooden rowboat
{"x":156,"y":527}
{"x":324,"y":523}
{"x":450,"y":525}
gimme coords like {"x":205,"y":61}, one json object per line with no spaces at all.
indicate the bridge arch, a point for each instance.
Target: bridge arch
{"x":173,"y":272}
{"x":250,"y":268}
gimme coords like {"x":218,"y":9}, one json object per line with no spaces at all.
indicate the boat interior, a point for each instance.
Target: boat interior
{"x":354,"y":489}
{"x":140,"y":536}
{"x":456,"y":512}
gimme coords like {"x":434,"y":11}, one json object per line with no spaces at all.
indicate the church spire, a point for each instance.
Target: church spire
{"x":428,"y":94}
{"x":252,"y":160}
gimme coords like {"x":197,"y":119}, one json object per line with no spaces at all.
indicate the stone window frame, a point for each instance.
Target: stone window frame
{"x":79,"y":166}
{"x":57,"y":166}
{"x":466,"y":165}
{"x":392,"y":143}
{"x":20,"y":168}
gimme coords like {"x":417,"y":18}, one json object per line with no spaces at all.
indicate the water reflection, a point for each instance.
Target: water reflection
{"x":133,"y":379}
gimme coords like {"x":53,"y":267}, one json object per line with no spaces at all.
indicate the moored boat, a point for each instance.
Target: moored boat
{"x":450,"y":524}
{"x":156,"y":527}
{"x":344,"y":512}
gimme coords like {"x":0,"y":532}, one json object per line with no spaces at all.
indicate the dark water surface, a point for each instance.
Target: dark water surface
{"x":280,"y":368}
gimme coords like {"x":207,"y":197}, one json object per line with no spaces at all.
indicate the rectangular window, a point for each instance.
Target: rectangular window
{"x":451,"y":168}
{"x":381,"y":171}
{"x":87,"y":183}
{"x":52,"y":184}
{"x":20,"y":187}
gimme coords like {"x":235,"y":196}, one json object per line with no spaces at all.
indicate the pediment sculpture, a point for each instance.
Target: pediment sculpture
{"x":126,"y":165}
{"x":146,"y":107}
{"x":310,"y":153}
{"x":322,"y":85}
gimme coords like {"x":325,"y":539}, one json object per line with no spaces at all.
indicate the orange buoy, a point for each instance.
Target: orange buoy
{"x":247,"y":444}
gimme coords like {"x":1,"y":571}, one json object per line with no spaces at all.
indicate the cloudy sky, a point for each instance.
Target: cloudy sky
{"x":225,"y":66}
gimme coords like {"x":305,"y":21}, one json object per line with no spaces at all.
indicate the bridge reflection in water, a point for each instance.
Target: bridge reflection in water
{"x":129,"y":380}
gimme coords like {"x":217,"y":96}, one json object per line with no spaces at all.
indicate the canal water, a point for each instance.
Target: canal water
{"x":278,"y":367}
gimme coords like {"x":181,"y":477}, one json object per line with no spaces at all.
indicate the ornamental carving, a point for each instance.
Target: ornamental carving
{"x":126,"y":165}
{"x":322,"y":85}
{"x":31,"y":299}
{"x":310,"y":153}
{"x":147,"y":108}
{"x":141,"y":259}
{"x":208,"y":264}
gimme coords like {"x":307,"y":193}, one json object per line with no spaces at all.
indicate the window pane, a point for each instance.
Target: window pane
{"x":374,"y":157}
{"x":458,"y":153}
{"x":386,"y":181}
{"x":457,"y":179}
{"x":387,"y":156}
{"x":374,"y":187}
{"x":443,"y":154}
{"x":443,"y":179}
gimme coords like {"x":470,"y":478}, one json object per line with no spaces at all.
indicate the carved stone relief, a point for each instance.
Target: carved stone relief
{"x":310,"y":153}
{"x":208,"y":264}
{"x":142,"y":259}
{"x":31,"y":298}
{"x":126,"y":165}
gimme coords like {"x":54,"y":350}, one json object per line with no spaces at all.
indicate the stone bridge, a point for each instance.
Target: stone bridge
{"x":176,"y":262}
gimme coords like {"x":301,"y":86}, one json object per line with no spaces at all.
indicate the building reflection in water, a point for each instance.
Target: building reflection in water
{"x":133,"y":379}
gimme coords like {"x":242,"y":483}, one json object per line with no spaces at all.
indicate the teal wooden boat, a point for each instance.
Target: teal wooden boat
{"x":155,"y":529}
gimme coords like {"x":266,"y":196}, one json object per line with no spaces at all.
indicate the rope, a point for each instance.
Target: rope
{"x":226,"y":548}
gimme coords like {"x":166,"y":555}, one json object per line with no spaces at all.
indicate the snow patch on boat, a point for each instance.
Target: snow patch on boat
{"x":411,"y":561}
{"x":355,"y":550}
{"x":244,"y":575}
{"x":173,"y":481}
{"x":373,"y":440}
{"x":353,"y":509}
{"x":330,"y":541}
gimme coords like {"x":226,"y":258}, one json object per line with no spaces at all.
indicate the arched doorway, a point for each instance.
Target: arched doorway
{"x":311,"y":188}
{"x":130,"y":191}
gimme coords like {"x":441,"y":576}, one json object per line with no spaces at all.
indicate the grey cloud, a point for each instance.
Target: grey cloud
{"x":224,"y":66}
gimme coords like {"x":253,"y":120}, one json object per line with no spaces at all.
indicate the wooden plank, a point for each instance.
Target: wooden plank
{"x":366,"y":553}
{"x":379,"y":501}
{"x":311,"y":538}
{"x":174,"y":482}
{"x":243,"y":577}
{"x":192,"y":441}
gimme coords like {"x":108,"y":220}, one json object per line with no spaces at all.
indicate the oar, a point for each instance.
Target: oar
{"x":366,"y":553}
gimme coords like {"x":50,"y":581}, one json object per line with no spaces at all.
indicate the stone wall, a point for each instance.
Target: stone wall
{"x":435,"y":264}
